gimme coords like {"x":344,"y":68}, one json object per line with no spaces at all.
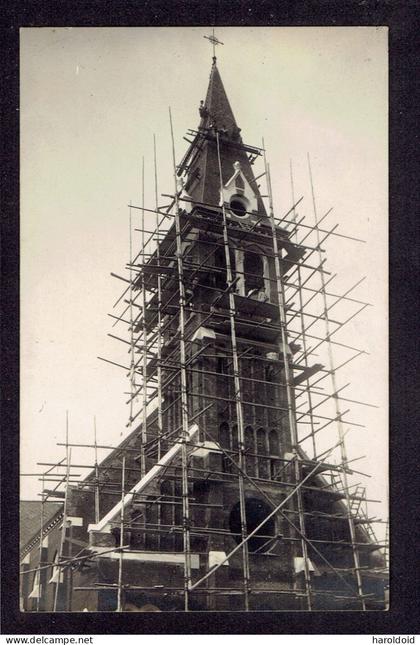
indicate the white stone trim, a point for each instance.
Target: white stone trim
{"x":299,"y":563}
{"x":203,"y":332}
{"x":217,"y":557}
{"x":104,"y":524}
{"x":204,"y":448}
{"x":149,"y":556}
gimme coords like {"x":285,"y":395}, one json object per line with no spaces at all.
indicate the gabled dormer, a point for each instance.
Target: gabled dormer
{"x":238,"y":196}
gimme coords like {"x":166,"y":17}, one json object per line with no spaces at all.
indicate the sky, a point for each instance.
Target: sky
{"x":91,"y":100}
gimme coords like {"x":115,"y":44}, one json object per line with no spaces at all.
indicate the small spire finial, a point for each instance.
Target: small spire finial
{"x":214,"y":41}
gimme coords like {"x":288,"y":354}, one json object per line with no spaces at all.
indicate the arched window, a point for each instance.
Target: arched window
{"x":262,"y":452}
{"x":256,"y":511}
{"x":224,"y":440}
{"x":220,"y":264}
{"x":235,"y":440}
{"x":254,"y":274}
{"x":273,"y":443}
{"x":250,"y":448}
{"x":56,"y":572}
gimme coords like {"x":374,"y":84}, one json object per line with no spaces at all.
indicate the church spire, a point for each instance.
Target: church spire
{"x":218,"y":110}
{"x":216,"y":115}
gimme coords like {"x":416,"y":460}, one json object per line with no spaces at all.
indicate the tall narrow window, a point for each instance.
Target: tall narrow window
{"x":235,"y":440}
{"x":273,"y":442}
{"x":220,"y":265}
{"x":222,"y":365}
{"x":56,"y":572}
{"x":254,"y":275}
{"x":250,"y":450}
{"x":224,"y":440}
{"x":220,"y":268}
{"x":262,"y":453}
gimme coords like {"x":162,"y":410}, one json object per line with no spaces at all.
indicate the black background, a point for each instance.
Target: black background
{"x":402,"y":18}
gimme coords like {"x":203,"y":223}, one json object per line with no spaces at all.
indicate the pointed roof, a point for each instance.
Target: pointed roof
{"x":217,"y":102}
{"x":203,"y":183}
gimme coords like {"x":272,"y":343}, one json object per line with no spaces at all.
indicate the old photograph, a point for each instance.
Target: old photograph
{"x":204,"y":319}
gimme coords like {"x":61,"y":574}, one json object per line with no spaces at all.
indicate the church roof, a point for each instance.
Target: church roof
{"x":29,"y":518}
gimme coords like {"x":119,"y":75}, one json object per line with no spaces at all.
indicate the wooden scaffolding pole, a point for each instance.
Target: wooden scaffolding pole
{"x":289,"y":392}
{"x":159,"y":314}
{"x":302,"y":322}
{"x":343,"y":451}
{"x":131,"y":325}
{"x":184,"y":390}
{"x":237,"y":389}
{"x":120,"y":592}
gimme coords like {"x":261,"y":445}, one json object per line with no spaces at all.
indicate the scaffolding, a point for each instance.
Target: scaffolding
{"x":193,"y":323}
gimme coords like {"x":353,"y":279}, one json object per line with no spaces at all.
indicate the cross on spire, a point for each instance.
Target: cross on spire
{"x":214,"y":41}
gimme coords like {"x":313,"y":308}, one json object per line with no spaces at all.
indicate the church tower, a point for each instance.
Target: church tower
{"x":238,"y":360}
